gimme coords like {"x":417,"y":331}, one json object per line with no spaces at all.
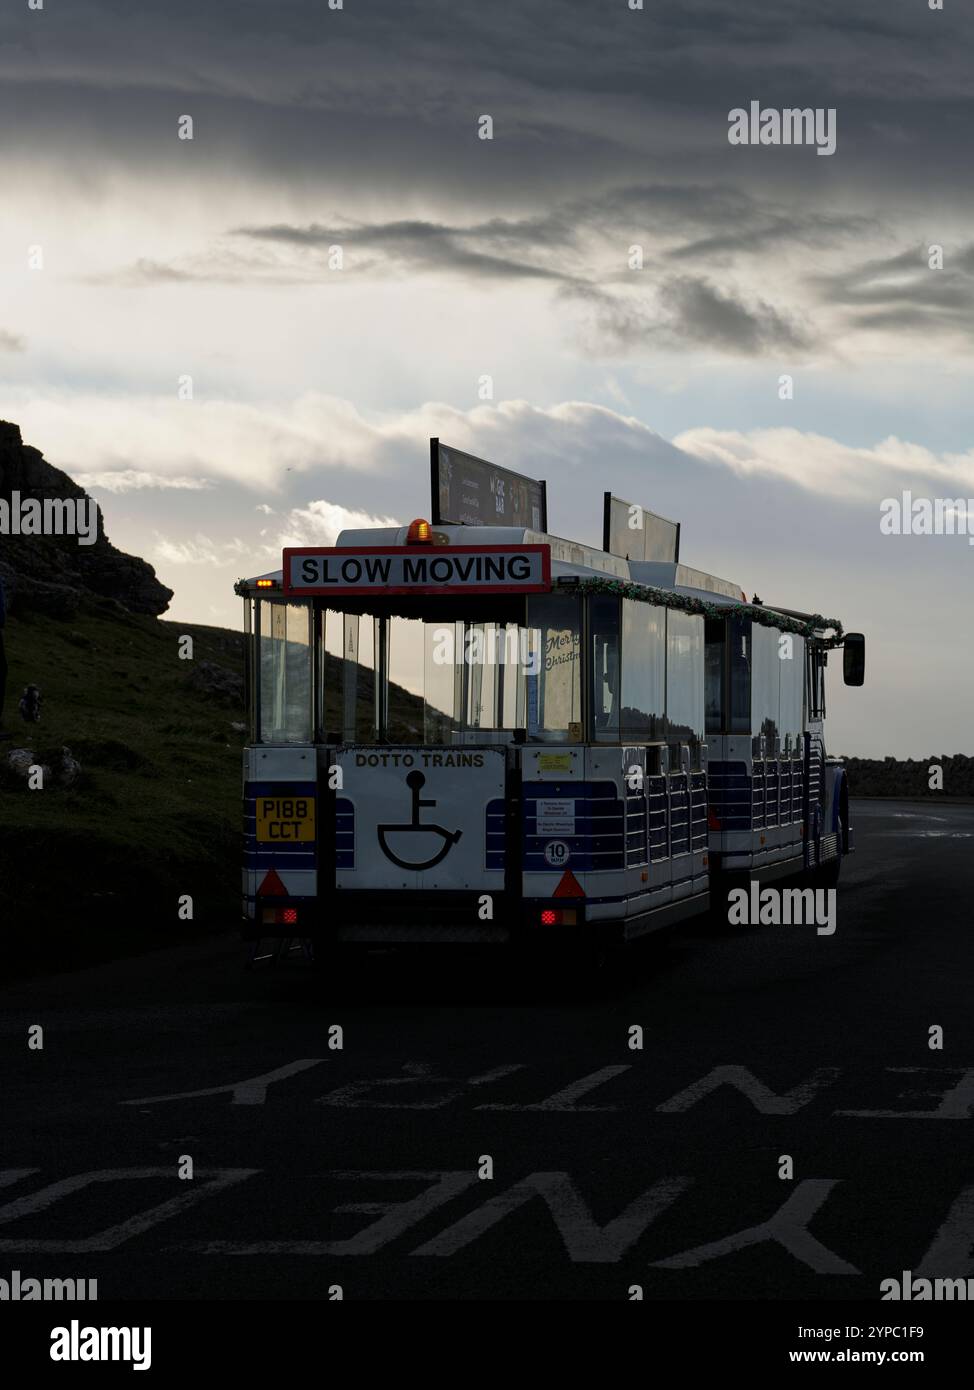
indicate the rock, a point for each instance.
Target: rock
{"x":238,"y":727}
{"x":216,"y":682}
{"x":110,"y":753}
{"x":55,"y":600}
{"x":52,"y":574}
{"x":69,"y":770}
{"x":20,"y":761}
{"x":60,"y":767}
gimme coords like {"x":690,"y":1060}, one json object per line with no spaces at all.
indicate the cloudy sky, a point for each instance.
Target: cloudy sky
{"x":315,"y":389}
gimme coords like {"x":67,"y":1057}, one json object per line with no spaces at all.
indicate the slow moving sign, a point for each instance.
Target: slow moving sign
{"x":466,"y":569}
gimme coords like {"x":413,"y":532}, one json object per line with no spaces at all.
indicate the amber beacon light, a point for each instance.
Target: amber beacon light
{"x":420,"y":533}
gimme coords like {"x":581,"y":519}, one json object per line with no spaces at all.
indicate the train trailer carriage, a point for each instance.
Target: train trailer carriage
{"x":488,"y":734}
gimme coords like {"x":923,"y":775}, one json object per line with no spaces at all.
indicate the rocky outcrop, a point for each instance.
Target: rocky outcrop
{"x":59,"y":768}
{"x":216,"y":682}
{"x":53,"y":574}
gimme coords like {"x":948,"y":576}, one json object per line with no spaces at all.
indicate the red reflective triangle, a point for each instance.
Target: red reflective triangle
{"x":569,"y":887}
{"x":272,"y":887}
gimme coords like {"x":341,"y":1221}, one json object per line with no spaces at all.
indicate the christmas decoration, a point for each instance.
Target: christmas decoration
{"x":664,"y":598}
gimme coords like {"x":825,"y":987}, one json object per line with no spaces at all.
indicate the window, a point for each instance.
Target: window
{"x":739,"y":682}
{"x":405,"y":716}
{"x":765,"y":685}
{"x":684,"y":677}
{"x":715,"y":703}
{"x":816,"y":682}
{"x":481,"y":677}
{"x":329,"y":638}
{"x":728,"y":675}
{"x":511,"y":671}
{"x":285,"y":672}
{"x":358,"y":680}
{"x":554,"y":682}
{"x":790,"y":694}
{"x":643,"y":671}
{"x":443,"y":643}
{"x":603,"y":613}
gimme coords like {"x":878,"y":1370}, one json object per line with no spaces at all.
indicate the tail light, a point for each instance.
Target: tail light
{"x":558,"y":917}
{"x":280,"y":916}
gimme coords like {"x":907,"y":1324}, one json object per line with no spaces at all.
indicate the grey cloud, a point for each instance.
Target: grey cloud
{"x":765,"y":229}
{"x":145,"y":272}
{"x":689,"y":313}
{"x":714,"y":316}
{"x":901,"y":291}
{"x":424,"y":245}
{"x":11,"y":342}
{"x":216,"y":266}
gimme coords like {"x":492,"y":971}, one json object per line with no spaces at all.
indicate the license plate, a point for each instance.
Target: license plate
{"x":285,"y":820}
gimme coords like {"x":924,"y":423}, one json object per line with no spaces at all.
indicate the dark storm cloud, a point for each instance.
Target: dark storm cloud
{"x":609,"y":123}
{"x":582,"y":91}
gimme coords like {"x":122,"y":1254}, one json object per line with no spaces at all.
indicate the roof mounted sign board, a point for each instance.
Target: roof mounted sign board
{"x":636,"y":533}
{"x":468,"y":491}
{"x":397,"y":569}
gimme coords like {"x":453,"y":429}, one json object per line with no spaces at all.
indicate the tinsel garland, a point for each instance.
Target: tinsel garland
{"x":685,"y":603}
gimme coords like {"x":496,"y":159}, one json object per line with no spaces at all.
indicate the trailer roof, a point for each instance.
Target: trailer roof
{"x":568,"y":558}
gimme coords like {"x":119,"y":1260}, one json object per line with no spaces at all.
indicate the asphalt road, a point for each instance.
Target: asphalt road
{"x":317,"y":1165}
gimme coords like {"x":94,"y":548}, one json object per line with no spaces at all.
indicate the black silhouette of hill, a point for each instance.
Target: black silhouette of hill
{"x":54,"y":574}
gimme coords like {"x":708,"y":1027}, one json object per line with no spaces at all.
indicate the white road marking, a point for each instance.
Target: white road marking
{"x":949,"y":1256}
{"x":585,"y":1241}
{"x":395,"y":1219}
{"x":8,"y":1176}
{"x":787,"y":1227}
{"x":418,"y":1074}
{"x":252,"y":1091}
{"x":206,"y":1184}
{"x":763,"y":1099}
{"x":956,"y":1104}
{"x":564,"y":1100}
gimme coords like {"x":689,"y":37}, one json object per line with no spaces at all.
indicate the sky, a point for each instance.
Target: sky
{"x":489,"y":291}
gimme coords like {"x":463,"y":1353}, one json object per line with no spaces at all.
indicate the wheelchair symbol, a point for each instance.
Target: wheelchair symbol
{"x":415,"y":781}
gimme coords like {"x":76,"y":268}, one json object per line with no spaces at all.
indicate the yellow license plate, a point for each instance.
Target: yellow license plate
{"x":285,"y":820}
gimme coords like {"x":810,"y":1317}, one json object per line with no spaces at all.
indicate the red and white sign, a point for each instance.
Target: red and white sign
{"x":417,"y":569}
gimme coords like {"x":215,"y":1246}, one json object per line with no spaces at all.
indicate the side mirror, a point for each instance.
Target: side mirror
{"x":854,"y":658}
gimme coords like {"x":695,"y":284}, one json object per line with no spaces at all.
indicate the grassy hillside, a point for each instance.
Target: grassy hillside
{"x":96,"y":868}
{"x":91,"y":869}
